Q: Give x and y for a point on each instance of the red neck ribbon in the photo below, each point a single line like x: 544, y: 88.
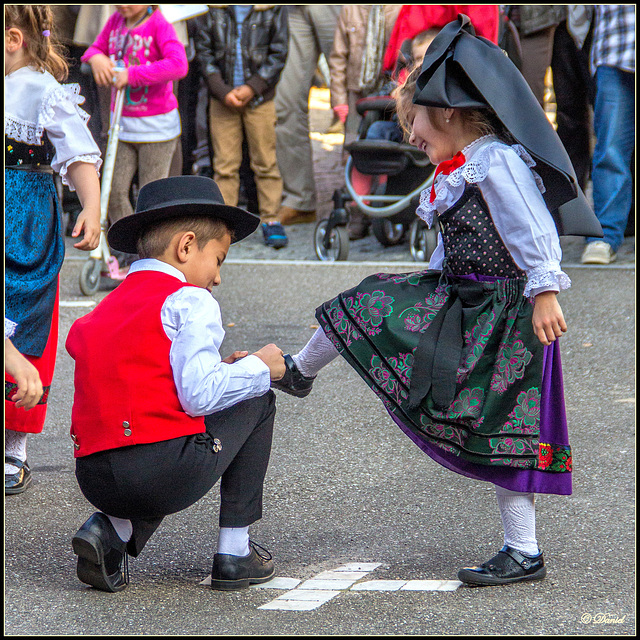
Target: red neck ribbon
x: 446, y: 168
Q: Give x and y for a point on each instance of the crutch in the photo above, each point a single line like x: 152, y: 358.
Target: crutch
x: 100, y: 261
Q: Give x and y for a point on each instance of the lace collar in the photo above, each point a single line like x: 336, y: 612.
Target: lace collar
x: 30, y: 98
x: 474, y: 170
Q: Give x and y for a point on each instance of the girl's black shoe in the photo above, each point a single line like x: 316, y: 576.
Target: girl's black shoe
x: 507, y: 567
x: 293, y: 382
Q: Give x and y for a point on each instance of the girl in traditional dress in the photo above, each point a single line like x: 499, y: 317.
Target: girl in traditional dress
x: 465, y: 355
x: 45, y: 131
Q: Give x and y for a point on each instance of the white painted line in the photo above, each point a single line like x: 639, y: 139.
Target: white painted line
x: 359, y: 566
x: 431, y: 585
x: 379, y: 585
x: 326, y: 584
x: 340, y: 575
x: 320, y: 596
x: 77, y: 303
x: 276, y: 583
x: 291, y: 605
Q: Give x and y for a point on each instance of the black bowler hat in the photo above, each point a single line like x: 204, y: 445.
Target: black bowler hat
x: 461, y: 69
x: 174, y: 198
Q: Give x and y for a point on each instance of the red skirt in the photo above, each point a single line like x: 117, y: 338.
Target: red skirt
x: 32, y: 421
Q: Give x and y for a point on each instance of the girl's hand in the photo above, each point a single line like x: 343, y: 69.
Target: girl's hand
x: 121, y: 79
x: 236, y: 355
x: 26, y: 376
x: 102, y: 68
x: 89, y: 221
x: 548, y: 320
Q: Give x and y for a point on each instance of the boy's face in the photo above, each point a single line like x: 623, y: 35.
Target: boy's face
x: 203, y: 266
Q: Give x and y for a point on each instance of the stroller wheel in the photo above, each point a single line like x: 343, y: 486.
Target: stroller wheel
x: 422, y: 240
x: 338, y: 248
x: 90, y: 276
x: 388, y: 233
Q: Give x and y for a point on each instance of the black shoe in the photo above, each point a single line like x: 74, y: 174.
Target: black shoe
x: 102, y: 556
x: 293, y: 382
x: 230, y: 573
x: 16, y: 482
x: 507, y: 567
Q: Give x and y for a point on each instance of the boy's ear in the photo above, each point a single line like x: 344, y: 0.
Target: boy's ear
x: 185, y: 245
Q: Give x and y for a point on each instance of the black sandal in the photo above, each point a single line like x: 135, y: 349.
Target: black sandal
x: 507, y: 567
x: 16, y: 482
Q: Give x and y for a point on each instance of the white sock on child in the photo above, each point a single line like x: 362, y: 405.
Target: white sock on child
x: 123, y: 528
x: 518, y: 514
x: 317, y: 353
x: 234, y: 541
x: 15, y: 444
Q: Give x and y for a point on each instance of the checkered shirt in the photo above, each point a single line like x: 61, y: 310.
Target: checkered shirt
x: 614, y: 37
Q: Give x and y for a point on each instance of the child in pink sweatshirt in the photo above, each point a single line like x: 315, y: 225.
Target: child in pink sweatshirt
x: 138, y: 51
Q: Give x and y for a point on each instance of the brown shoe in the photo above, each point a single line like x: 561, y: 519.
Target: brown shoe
x: 289, y: 215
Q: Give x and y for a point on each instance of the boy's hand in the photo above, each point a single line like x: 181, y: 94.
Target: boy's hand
x: 548, y: 320
x: 236, y: 355
x: 244, y: 93
x: 102, y: 68
x: 272, y: 356
x: 88, y: 220
x: 232, y: 102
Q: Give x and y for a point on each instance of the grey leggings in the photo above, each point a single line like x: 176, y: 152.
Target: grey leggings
x: 152, y: 161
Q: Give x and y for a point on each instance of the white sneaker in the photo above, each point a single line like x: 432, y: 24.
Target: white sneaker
x: 598, y: 252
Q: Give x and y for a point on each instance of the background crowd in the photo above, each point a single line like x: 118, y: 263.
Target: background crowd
x: 259, y: 151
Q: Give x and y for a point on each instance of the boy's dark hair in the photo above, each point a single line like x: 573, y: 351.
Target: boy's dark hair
x: 154, y: 240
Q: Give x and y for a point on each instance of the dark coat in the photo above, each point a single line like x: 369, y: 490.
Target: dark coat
x: 265, y: 44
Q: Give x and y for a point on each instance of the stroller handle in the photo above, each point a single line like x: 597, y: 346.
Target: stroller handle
x: 396, y: 203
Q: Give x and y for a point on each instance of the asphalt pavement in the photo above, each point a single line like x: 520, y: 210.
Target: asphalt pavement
x: 347, y: 494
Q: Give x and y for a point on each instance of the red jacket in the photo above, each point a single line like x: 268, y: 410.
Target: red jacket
x: 415, y: 18
x: 124, y: 388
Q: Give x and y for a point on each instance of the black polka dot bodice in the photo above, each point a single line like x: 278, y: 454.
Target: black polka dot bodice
x: 472, y: 244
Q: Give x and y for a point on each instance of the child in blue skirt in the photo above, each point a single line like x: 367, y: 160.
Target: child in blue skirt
x: 465, y: 354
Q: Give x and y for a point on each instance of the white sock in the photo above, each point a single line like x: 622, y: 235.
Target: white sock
x: 15, y: 444
x: 518, y: 514
x: 317, y: 353
x: 123, y: 528
x: 234, y: 541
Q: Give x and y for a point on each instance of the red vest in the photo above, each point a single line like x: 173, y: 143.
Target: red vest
x: 124, y: 388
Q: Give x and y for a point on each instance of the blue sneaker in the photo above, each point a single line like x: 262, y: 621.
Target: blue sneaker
x: 274, y: 235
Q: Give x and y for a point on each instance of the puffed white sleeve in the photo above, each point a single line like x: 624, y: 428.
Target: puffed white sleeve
x: 192, y: 321
x: 523, y: 221
x: 66, y: 126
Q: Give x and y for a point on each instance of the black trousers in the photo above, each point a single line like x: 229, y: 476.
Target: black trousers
x: 144, y: 483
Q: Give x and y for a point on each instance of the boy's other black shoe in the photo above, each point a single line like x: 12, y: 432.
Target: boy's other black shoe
x: 230, y: 573
x: 293, y: 382
x: 102, y: 557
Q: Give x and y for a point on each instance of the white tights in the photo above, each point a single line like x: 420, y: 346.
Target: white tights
x: 317, y: 353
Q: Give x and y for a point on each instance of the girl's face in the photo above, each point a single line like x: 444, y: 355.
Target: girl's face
x: 132, y: 12
x: 438, y: 144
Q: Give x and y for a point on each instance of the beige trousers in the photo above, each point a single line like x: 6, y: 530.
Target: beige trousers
x: 227, y: 133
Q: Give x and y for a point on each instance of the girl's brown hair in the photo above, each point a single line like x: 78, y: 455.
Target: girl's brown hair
x: 42, y: 49
x: 482, y: 121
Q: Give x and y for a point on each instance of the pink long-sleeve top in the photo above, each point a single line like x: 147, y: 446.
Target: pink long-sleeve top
x: 154, y: 58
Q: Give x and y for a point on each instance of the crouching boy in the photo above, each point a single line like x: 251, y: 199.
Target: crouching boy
x: 158, y: 417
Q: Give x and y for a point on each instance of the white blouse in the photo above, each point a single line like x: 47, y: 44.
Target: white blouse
x: 34, y: 102
x: 192, y: 321
x: 513, y: 192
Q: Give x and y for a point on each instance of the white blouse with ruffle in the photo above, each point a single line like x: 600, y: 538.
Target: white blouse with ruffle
x: 513, y: 192
x: 36, y: 102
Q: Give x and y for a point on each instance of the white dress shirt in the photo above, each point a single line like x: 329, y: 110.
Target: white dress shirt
x: 513, y: 192
x: 192, y: 321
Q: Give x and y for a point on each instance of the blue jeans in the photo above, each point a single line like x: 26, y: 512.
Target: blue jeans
x: 614, y: 124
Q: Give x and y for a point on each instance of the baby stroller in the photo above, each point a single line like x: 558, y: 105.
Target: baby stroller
x: 391, y: 205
